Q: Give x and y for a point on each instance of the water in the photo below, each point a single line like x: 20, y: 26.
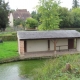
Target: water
x: 11, y: 71
x: 18, y: 70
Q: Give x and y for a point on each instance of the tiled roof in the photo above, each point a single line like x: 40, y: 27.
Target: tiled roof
x: 21, y: 14
x: 48, y: 34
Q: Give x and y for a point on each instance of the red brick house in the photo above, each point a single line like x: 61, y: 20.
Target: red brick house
x: 41, y: 41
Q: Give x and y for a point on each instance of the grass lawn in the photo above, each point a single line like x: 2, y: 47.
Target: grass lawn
x: 8, y: 50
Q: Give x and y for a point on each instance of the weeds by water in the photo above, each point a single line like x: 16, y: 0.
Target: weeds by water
x: 53, y: 69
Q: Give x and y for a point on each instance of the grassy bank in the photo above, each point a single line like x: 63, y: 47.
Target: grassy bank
x: 55, y: 69
x: 8, y: 50
x: 27, y: 67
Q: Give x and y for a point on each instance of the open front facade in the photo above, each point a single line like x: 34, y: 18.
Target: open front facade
x: 46, y: 41
x: 26, y: 46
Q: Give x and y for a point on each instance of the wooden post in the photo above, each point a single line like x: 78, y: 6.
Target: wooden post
x: 55, y: 47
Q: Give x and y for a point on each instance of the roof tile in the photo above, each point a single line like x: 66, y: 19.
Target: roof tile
x: 21, y: 13
x: 48, y: 34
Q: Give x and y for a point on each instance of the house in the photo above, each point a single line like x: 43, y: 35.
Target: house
x: 41, y: 41
x: 22, y: 14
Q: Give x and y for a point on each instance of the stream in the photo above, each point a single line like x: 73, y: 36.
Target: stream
x: 11, y: 71
x: 18, y: 70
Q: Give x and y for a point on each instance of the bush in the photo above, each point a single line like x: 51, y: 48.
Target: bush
x: 31, y: 23
x: 14, y: 33
x: 8, y: 38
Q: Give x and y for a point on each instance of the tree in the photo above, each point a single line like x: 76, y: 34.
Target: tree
x: 12, y: 10
x: 76, y: 15
x: 4, y: 12
x: 32, y: 23
x: 23, y: 24
x: 17, y: 22
x: 35, y: 15
x: 66, y: 16
x: 49, y: 14
x: 75, y: 4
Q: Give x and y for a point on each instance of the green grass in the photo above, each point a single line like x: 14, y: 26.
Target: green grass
x: 54, y: 69
x: 8, y: 50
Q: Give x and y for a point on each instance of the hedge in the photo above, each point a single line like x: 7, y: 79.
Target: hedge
x: 8, y: 38
x: 14, y: 33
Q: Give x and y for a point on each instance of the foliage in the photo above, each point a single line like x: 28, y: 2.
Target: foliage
x: 48, y: 9
x: 18, y: 22
x: 75, y: 4
x: 9, y: 38
x: 4, y: 12
x: 23, y: 23
x: 8, y: 50
x: 53, y: 69
x: 41, y: 27
x: 70, y: 18
x: 38, y: 17
x: 8, y: 33
x: 32, y: 23
x: 14, y: 33
x: 66, y: 16
x: 12, y: 10
x: 76, y: 15
x: 35, y: 15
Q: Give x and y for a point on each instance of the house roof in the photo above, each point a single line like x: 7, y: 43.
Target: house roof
x: 48, y: 34
x: 21, y: 14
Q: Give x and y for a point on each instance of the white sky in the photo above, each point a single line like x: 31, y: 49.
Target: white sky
x: 30, y: 4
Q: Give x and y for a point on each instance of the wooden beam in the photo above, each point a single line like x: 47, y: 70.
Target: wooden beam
x: 55, y: 44
x: 55, y: 41
x: 48, y: 45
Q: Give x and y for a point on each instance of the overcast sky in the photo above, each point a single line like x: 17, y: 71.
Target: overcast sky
x: 30, y: 4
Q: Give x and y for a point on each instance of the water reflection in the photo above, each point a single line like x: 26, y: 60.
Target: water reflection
x: 19, y: 70
x: 10, y: 71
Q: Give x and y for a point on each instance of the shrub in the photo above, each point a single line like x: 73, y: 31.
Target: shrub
x: 14, y: 33
x: 32, y: 23
x: 8, y: 38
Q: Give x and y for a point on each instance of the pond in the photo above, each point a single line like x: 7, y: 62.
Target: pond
x: 19, y: 70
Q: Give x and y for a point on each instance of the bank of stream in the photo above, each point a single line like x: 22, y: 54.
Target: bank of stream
x: 21, y: 70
